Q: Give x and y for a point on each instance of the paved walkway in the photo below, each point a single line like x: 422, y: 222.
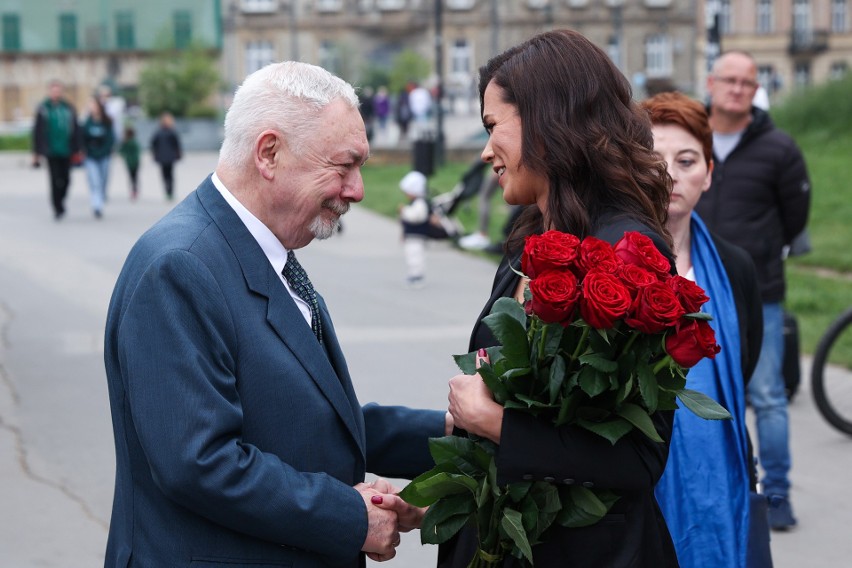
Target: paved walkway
x: 56, y: 452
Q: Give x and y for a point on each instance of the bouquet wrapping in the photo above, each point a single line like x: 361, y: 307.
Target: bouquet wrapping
x: 603, y: 341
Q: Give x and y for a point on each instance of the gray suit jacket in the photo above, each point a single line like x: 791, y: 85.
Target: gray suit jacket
x: 238, y: 436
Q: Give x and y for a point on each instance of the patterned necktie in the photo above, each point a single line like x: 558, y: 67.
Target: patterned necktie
x: 298, y: 280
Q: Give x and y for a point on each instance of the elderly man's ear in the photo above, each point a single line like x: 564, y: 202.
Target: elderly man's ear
x: 268, y: 153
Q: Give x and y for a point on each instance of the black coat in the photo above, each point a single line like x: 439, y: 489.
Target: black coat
x: 759, y: 199
x: 165, y: 146
x: 744, y: 287
x: 634, y: 533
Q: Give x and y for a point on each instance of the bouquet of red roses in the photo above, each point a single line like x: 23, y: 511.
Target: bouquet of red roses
x: 603, y: 340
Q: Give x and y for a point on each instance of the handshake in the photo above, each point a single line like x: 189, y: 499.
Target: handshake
x: 387, y: 516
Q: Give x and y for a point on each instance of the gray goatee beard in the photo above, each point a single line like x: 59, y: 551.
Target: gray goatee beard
x: 321, y: 228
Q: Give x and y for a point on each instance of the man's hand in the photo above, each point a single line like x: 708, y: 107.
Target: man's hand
x: 382, y: 525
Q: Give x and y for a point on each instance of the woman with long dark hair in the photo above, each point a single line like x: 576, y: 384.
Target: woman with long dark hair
x: 567, y: 140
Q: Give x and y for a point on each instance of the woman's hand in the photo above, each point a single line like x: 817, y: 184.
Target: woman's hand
x: 473, y: 407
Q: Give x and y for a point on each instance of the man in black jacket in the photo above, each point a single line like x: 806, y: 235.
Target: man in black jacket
x: 56, y: 136
x: 759, y: 200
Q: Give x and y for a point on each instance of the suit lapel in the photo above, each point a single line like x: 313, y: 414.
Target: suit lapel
x: 284, y: 316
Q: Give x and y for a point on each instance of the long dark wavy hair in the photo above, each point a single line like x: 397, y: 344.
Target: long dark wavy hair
x: 581, y: 128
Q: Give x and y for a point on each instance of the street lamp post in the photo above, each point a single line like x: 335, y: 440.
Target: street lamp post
x: 439, y: 69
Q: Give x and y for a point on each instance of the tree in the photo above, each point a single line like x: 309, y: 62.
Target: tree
x: 408, y: 66
x: 179, y: 82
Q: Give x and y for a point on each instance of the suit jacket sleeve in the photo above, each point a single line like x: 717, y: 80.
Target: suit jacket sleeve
x: 177, y: 349
x: 397, y: 439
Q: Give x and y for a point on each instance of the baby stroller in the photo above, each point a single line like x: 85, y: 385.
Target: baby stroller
x: 445, y: 204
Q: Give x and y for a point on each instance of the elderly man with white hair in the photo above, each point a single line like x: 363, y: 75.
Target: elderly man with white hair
x: 239, y: 438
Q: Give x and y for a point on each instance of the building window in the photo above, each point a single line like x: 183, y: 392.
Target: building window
x: 839, y: 18
x: 259, y: 6
x: 538, y: 4
x: 328, y: 5
x: 183, y: 29
x: 802, y: 17
x: 259, y: 54
x: 838, y: 70
x: 460, y: 4
x: 765, y: 20
x: 390, y: 4
x: 329, y: 57
x: 802, y: 74
x: 67, y: 31
x: 124, y: 35
x: 658, y: 56
x: 461, y: 59
x: 725, y: 17
x: 11, y: 32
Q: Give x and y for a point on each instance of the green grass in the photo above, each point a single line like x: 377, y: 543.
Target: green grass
x: 14, y: 142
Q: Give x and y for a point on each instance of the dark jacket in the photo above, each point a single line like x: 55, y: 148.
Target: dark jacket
x: 41, y: 131
x: 744, y: 287
x: 759, y: 199
x: 98, y: 138
x: 238, y: 436
x: 165, y: 146
x: 634, y: 533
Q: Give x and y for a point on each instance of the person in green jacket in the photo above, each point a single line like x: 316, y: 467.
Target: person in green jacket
x: 129, y: 150
x: 56, y: 137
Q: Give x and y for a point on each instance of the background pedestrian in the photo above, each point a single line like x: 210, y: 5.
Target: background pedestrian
x: 56, y: 137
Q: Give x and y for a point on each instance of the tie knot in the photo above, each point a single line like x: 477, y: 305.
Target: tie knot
x: 301, y: 285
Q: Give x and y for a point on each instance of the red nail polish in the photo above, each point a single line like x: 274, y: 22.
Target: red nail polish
x: 482, y: 352
x: 376, y: 499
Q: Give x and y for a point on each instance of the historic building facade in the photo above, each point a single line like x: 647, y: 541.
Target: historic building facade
x: 87, y: 43
x: 656, y: 43
x: 796, y: 43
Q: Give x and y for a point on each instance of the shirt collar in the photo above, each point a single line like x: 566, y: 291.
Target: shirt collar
x: 269, y: 243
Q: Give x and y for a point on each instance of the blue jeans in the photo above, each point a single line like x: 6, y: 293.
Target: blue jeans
x: 97, y: 171
x: 769, y: 401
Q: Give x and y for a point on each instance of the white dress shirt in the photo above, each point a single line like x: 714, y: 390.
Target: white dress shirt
x: 269, y: 243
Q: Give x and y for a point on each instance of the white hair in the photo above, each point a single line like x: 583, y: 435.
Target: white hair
x: 287, y: 97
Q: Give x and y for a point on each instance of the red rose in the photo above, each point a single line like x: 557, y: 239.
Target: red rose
x: 654, y: 309
x: 636, y: 248
x: 692, y: 342
x: 690, y: 294
x: 597, y: 254
x: 605, y: 300
x: 635, y: 277
x: 554, y: 296
x: 549, y: 251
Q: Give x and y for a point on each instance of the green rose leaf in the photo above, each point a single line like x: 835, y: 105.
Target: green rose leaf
x: 648, y: 387
x: 612, y: 430
x: 639, y: 418
x: 445, y: 518
x: 599, y: 363
x: 514, y: 528
x: 580, y: 507
x: 463, y: 453
x: 556, y: 377
x: 702, y: 405
x: 592, y: 382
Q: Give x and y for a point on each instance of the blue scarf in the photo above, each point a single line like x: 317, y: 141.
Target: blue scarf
x: 704, y: 491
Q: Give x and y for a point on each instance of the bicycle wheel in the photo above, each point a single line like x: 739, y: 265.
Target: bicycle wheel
x: 831, y: 376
